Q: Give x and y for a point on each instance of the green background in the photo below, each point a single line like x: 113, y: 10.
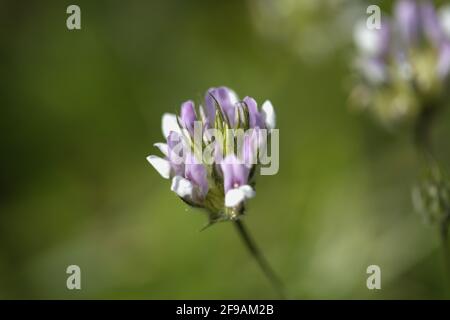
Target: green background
x: 80, y: 111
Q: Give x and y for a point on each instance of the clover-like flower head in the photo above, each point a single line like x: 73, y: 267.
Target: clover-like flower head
x: 404, y: 66
x: 211, y: 152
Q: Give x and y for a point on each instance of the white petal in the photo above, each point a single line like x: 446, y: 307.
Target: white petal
x: 237, y: 195
x: 444, y: 17
x: 233, y: 96
x: 161, y: 165
x: 169, y: 123
x: 248, y: 191
x: 163, y: 148
x: 268, y: 114
x: 367, y: 41
x: 182, y: 187
x: 374, y: 71
x: 234, y: 197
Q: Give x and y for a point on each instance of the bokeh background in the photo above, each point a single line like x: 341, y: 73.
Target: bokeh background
x: 80, y: 111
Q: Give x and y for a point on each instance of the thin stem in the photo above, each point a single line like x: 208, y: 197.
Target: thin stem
x: 424, y: 147
x: 422, y: 134
x: 443, y: 232
x: 256, y: 253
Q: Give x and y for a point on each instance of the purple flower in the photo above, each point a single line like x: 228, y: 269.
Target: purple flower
x: 407, y: 16
x: 193, y: 184
x: 221, y: 186
x: 225, y: 98
x: 175, y: 153
x: 196, y: 173
x: 418, y: 20
x: 406, y: 64
x: 189, y: 178
x: 443, y: 67
x: 255, y: 117
x: 188, y: 116
x: 235, y: 177
x: 430, y: 23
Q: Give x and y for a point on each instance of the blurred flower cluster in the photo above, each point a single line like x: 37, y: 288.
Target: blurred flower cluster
x: 211, y: 152
x: 403, y: 67
x: 305, y: 26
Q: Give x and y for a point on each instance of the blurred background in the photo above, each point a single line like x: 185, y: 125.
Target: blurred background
x: 80, y: 111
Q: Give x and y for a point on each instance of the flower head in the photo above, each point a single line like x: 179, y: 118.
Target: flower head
x: 211, y: 152
x: 404, y: 66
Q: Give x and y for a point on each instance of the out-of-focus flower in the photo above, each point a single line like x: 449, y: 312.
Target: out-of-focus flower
x: 304, y: 26
x: 404, y: 66
x: 211, y: 152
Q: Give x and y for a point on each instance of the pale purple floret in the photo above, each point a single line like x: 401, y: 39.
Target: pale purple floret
x: 434, y: 31
x: 188, y: 116
x: 432, y: 28
x: 255, y: 146
x: 235, y: 173
x: 196, y: 174
x: 418, y: 20
x: 385, y: 38
x: 255, y: 117
x: 175, y: 154
x: 235, y: 176
x: 444, y: 60
x: 189, y: 176
x: 407, y: 17
x: 226, y: 100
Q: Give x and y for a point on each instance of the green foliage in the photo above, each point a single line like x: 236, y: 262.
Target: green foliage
x: 81, y: 109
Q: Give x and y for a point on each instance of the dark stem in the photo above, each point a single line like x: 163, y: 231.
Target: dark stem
x: 251, y: 246
x: 424, y: 146
x: 443, y: 232
x: 422, y: 134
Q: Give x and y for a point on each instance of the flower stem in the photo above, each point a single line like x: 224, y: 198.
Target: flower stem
x: 443, y: 232
x: 257, y: 255
x: 424, y: 148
